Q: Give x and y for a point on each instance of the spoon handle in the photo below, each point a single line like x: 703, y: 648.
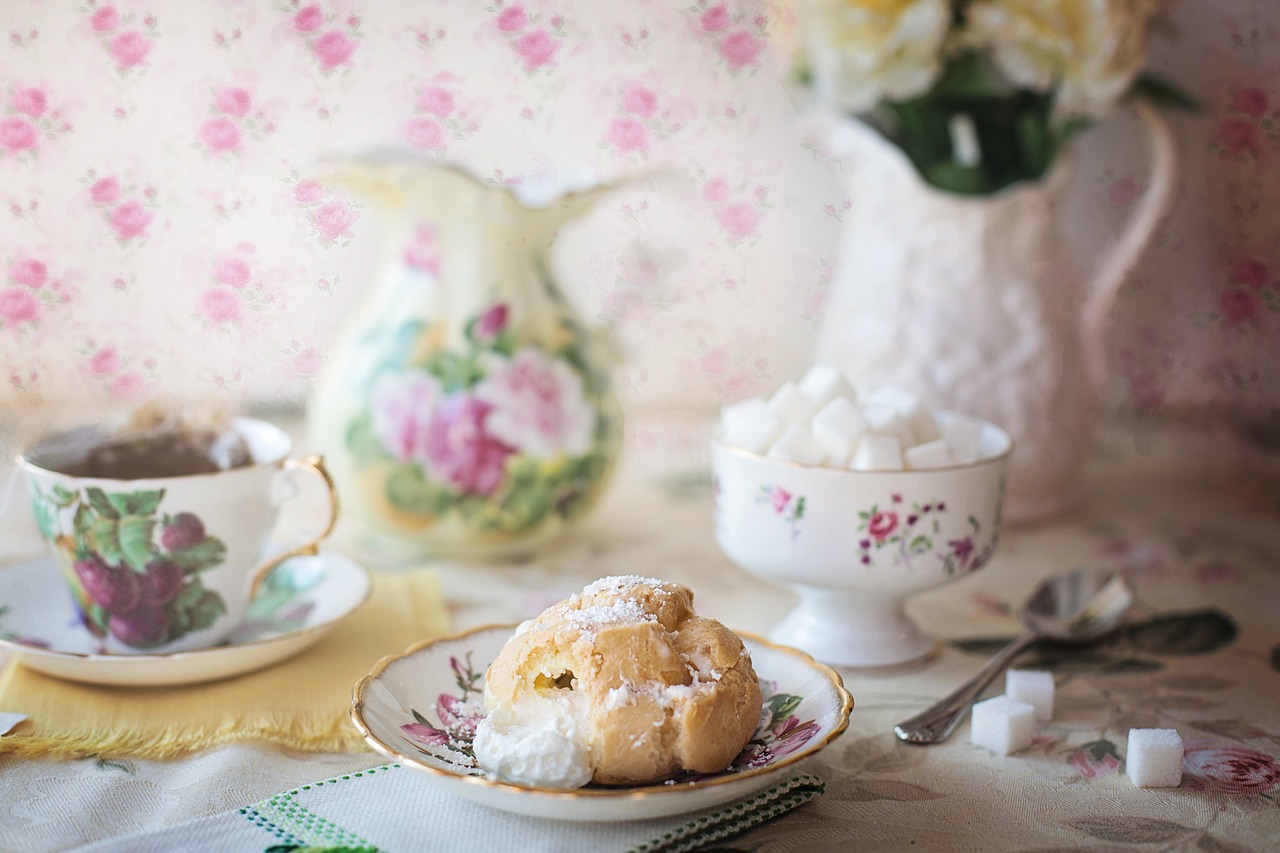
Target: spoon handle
x: 936, y: 723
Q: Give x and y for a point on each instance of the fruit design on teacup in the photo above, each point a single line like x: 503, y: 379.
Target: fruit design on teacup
x: 134, y: 571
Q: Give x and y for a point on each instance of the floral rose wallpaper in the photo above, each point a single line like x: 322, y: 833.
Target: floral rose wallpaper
x: 163, y: 231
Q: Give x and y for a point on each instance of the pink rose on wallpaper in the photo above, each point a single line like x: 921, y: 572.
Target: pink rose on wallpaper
x: 539, y: 406
x: 233, y: 101
x: 1239, y: 307
x: 29, y: 271
x: 512, y: 19
x: 129, y: 386
x: 420, y: 251
x: 232, y: 271
x: 715, y: 19
x: 716, y: 190
x: 739, y: 220
x: 218, y: 306
x: 425, y: 133
x: 536, y: 49
x: 105, y: 361
x: 639, y: 100
x: 1239, y: 136
x: 221, y: 134
x: 308, y: 192
x: 31, y: 101
x: 1250, y: 272
x: 105, y: 20
x: 17, y: 134
x: 461, y: 451
x: 627, y: 135
x: 308, y: 19
x: 333, y: 49
x: 740, y: 49
x: 18, y: 305
x: 307, y: 362
x: 105, y: 190
x: 437, y: 101
x: 334, y: 219
x: 130, y: 49
x: 130, y: 219
x: 1251, y: 101
x: 400, y: 409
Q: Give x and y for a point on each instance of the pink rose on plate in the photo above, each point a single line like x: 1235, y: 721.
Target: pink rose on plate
x: 130, y: 219
x: 29, y: 271
x: 130, y: 49
x: 536, y: 49
x: 308, y: 19
x: 31, y: 101
x: 333, y: 49
x: 436, y: 100
x: 740, y: 220
x: 18, y: 305
x: 221, y: 134
x: 461, y: 450
x: 218, y: 306
x: 105, y: 20
x: 232, y: 271
x: 233, y: 101
x: 400, y: 411
x: 512, y: 19
x: 715, y: 19
x: 639, y: 100
x: 308, y: 192
x: 627, y: 135
x: 334, y: 219
x: 105, y: 361
x: 17, y: 134
x: 425, y: 133
x: 105, y: 190
x: 1250, y: 272
x: 420, y: 251
x: 740, y: 49
x: 307, y: 362
x: 539, y: 406
x: 1230, y: 769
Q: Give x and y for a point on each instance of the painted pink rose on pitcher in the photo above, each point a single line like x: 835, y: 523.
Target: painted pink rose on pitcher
x: 308, y: 19
x: 539, y: 407
x: 425, y: 133
x: 333, y: 49
x: 131, y: 219
x: 536, y: 49
x: 627, y: 135
x: 308, y: 192
x: 307, y: 362
x: 333, y: 220
x: 233, y: 101
x: 740, y: 220
x: 437, y: 101
x: 639, y: 100
x: 715, y: 19
x: 29, y: 271
x: 130, y: 49
x: 18, y: 305
x: 105, y: 19
x: 220, y: 134
x: 31, y: 101
x: 740, y: 49
x: 219, y: 306
x: 17, y: 134
x: 401, y: 405
x: 105, y: 190
x: 461, y: 448
x: 512, y: 19
x: 232, y: 271
x: 105, y: 361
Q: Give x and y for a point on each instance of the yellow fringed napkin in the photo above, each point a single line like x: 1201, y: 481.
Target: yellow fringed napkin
x: 301, y: 703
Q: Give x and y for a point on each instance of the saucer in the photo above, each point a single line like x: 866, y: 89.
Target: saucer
x: 300, y: 602
x: 397, y: 708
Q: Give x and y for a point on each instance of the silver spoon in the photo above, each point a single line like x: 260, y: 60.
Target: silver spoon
x: 1077, y: 607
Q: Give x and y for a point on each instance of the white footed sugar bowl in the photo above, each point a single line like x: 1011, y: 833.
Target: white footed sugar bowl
x: 854, y: 542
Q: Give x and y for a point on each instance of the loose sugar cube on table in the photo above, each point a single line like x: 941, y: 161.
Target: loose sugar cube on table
x: 933, y: 454
x: 797, y: 444
x: 837, y: 427
x: 1032, y: 686
x: 877, y: 453
x: 1003, y: 725
x: 823, y: 383
x: 1153, y: 758
x: 791, y: 405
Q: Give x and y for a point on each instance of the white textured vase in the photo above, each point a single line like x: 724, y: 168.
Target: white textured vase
x: 973, y: 303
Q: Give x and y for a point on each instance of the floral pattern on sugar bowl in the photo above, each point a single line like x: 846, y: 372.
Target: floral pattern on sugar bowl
x: 911, y: 534
x: 788, y: 507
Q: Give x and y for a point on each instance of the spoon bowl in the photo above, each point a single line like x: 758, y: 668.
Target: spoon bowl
x: 1079, y: 607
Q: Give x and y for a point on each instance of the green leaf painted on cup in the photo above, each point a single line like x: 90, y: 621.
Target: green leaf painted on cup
x: 135, y: 532
x: 104, y: 538
x: 136, y: 503
x: 101, y: 504
x: 205, y: 554
x: 206, y: 611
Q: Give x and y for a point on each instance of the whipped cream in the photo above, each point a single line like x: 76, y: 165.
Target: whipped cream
x: 545, y: 743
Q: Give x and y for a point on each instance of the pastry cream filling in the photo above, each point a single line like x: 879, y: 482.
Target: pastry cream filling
x: 545, y: 743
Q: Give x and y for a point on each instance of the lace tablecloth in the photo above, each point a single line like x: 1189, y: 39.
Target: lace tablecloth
x: 1197, y: 535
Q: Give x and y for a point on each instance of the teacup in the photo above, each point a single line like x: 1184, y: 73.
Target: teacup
x: 167, y: 563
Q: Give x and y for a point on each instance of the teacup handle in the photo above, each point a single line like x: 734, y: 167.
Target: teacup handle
x: 1110, y: 275
x: 315, y: 465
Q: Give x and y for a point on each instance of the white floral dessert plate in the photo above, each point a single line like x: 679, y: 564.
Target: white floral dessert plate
x: 299, y: 603
x: 421, y: 707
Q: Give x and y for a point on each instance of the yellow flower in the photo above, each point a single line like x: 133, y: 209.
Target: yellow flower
x: 1090, y: 50
x: 859, y: 52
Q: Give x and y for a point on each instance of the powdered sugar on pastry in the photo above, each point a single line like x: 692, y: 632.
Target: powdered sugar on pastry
x: 621, y: 683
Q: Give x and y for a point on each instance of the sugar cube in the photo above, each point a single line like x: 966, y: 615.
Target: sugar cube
x: 963, y: 436
x: 797, y: 444
x: 823, y: 383
x: 933, y: 454
x: 837, y: 427
x: 1033, y: 686
x: 886, y: 420
x: 791, y: 405
x: 754, y: 434
x: 877, y: 453
x: 1002, y: 724
x: 1153, y: 758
